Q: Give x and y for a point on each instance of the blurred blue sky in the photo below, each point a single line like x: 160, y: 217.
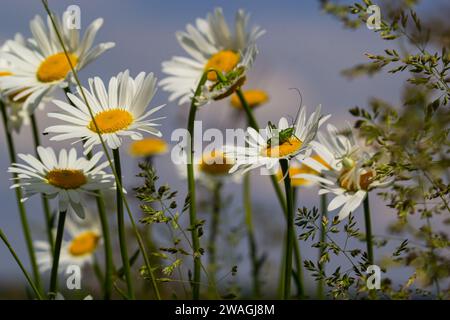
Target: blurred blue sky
x: 302, y: 48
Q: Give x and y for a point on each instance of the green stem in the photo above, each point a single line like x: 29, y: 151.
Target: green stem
x: 298, y: 272
x: 191, y: 188
x: 214, y: 232
x: 289, y: 229
x: 98, y: 272
x: 109, y: 266
x: 121, y: 226
x: 251, y: 237
x: 250, y: 118
x: 24, y: 271
x: 54, y: 273
x: 368, y: 229
x: 20, y: 204
x: 323, y: 209
x: 44, y: 199
x: 280, y: 288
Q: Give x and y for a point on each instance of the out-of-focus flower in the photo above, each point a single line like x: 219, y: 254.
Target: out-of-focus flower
x: 254, y: 98
x: 298, y: 167
x: 85, y: 238
x: 147, y: 147
x: 210, y: 168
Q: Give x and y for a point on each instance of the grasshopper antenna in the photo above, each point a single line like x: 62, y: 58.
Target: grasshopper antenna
x: 301, y: 101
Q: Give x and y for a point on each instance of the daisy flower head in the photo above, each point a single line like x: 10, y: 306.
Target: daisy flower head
x: 41, y: 65
x: 265, y: 149
x: 210, y: 168
x: 119, y: 111
x: 79, y: 249
x: 211, y: 44
x: 254, y: 98
x: 65, y: 177
x: 148, y: 147
x: 346, y: 170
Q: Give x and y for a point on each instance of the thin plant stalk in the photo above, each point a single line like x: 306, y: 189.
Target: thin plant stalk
x: 368, y: 230
x: 20, y: 204
x: 20, y: 264
x: 56, y: 255
x: 252, y: 122
x: 109, y: 266
x: 191, y: 188
x: 251, y: 237
x: 289, y: 229
x: 215, y: 222
x: 281, y: 267
x: 298, y: 272
x: 44, y: 199
x: 105, y: 149
x: 98, y: 272
x: 121, y: 226
x: 323, y: 210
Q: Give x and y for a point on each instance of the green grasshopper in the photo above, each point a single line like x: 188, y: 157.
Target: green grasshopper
x: 285, y: 134
x: 281, y: 136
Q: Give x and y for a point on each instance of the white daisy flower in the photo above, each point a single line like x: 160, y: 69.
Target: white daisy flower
x: 67, y: 177
x: 85, y: 239
x: 344, y: 173
x: 211, y: 45
x: 119, y: 111
x: 210, y: 168
x: 265, y: 149
x: 41, y: 65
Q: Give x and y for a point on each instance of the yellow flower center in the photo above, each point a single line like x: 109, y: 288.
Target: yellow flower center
x: 148, y: 147
x: 215, y: 163
x: 66, y: 178
x: 224, y: 61
x: 254, y: 98
x: 5, y: 73
x: 110, y: 121
x: 55, y: 67
x: 286, y: 148
x: 84, y: 243
x: 349, y: 180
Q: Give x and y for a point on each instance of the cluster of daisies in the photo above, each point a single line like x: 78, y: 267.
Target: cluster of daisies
x: 30, y: 72
x: 105, y: 113
x: 335, y: 160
